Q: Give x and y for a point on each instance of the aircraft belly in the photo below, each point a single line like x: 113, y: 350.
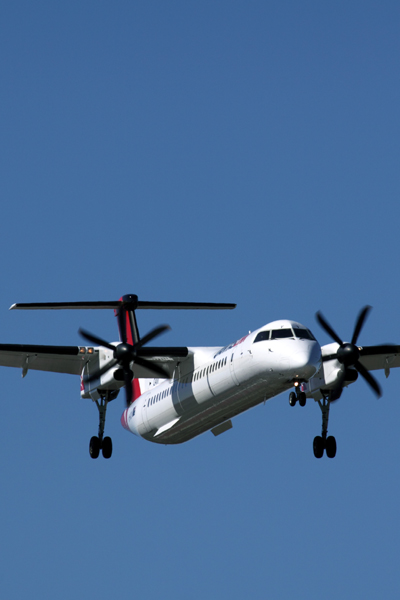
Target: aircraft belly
x: 197, y: 406
x: 224, y: 407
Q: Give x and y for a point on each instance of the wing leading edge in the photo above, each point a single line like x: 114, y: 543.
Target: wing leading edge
x: 72, y: 359
x: 59, y: 359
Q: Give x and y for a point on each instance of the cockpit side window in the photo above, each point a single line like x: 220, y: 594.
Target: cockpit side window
x: 262, y: 336
x: 278, y: 334
x: 304, y: 334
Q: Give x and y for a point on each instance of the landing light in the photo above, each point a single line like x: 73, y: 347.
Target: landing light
x: 83, y: 350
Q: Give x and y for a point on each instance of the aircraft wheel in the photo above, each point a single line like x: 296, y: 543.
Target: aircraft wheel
x: 94, y: 447
x: 302, y: 398
x: 331, y: 447
x: 318, y: 446
x: 106, y: 447
x: 292, y: 399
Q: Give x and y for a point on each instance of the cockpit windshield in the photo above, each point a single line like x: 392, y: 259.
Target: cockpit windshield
x: 278, y: 334
x: 303, y: 334
x: 275, y: 334
x: 262, y: 336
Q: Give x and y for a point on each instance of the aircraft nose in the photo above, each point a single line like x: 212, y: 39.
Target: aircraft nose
x: 307, y: 361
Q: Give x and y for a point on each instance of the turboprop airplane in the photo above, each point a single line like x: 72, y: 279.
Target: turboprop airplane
x: 174, y: 394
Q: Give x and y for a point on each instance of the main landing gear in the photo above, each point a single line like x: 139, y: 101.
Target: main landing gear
x: 99, y: 442
x: 322, y: 442
x: 297, y: 395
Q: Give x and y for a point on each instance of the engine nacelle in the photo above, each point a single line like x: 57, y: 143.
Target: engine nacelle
x: 107, y: 381
x: 333, y: 373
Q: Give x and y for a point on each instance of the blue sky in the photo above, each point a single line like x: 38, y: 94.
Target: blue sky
x: 234, y: 151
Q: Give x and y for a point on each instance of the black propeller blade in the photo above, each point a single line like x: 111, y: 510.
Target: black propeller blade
x: 100, y: 372
x: 349, y: 353
x: 124, y: 354
x: 94, y: 339
x: 325, y: 325
x: 360, y: 323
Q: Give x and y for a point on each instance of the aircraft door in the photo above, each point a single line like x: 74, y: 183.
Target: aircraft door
x: 233, y: 357
x: 145, y: 417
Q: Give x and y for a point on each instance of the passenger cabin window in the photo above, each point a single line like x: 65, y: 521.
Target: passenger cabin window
x: 278, y: 334
x: 262, y: 336
x: 303, y: 333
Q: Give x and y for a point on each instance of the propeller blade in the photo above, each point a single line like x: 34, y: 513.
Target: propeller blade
x: 152, y: 367
x: 369, y: 378
x: 125, y: 354
x: 329, y: 357
x: 325, y: 325
x: 128, y: 386
x: 100, y: 372
x: 95, y: 340
x: 379, y: 350
x: 151, y: 335
x: 360, y: 323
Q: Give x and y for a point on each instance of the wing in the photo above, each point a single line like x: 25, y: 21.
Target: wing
x: 59, y: 359
x: 380, y: 357
x: 72, y: 359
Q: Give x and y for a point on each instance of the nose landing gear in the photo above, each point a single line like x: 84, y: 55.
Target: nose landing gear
x: 99, y: 442
x: 322, y: 442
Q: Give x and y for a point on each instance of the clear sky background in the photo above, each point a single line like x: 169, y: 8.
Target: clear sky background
x: 216, y: 151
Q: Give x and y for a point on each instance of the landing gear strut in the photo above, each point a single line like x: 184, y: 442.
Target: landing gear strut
x: 322, y: 442
x: 99, y: 442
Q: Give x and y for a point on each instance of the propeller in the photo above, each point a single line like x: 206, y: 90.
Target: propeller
x: 124, y: 354
x: 348, y: 353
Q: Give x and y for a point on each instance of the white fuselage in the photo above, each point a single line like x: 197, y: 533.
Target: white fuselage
x: 213, y: 385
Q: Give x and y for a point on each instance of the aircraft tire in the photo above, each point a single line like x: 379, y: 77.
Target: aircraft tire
x: 94, y: 446
x: 331, y: 447
x: 292, y: 399
x: 302, y: 398
x: 318, y: 446
x: 106, y: 447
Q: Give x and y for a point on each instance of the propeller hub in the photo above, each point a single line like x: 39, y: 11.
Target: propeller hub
x: 123, y: 353
x: 348, y: 354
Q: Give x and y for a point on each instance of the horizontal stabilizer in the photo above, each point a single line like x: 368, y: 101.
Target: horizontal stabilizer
x: 130, y: 302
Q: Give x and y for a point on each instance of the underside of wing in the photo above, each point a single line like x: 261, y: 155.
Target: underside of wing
x: 380, y: 357
x: 59, y: 359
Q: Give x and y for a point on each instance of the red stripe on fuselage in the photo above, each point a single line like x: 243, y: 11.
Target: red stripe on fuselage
x: 124, y: 420
x: 129, y: 339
